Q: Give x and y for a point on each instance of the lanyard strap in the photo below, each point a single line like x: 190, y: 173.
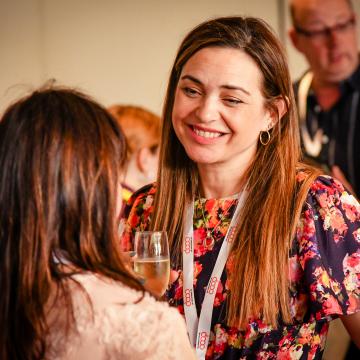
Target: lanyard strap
x: 312, y: 146
x: 199, y: 328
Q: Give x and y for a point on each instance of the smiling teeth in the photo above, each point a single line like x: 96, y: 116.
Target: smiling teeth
x: 207, y: 134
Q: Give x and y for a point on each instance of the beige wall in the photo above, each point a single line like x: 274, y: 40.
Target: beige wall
x: 116, y: 50
x: 21, y: 54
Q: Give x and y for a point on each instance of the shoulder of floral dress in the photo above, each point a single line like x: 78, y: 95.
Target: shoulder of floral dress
x: 326, y: 185
x: 139, y: 196
x: 327, y: 194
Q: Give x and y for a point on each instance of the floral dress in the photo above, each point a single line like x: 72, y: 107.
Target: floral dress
x: 324, y: 272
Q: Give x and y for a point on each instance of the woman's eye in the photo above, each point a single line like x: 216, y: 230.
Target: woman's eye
x: 190, y: 91
x: 232, y: 101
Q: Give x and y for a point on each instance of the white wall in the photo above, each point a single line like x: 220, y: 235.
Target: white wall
x: 116, y: 50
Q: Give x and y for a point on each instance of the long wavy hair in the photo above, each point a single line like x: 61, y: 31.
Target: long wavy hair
x: 259, y: 284
x: 61, y: 157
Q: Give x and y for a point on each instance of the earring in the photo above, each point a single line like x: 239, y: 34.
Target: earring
x: 267, y: 135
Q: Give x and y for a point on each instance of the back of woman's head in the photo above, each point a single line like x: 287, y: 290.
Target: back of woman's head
x: 61, y: 155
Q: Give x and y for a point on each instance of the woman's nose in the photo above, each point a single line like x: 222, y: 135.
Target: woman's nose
x: 208, y: 110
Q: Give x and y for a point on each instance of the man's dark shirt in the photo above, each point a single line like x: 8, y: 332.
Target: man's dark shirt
x: 341, y: 127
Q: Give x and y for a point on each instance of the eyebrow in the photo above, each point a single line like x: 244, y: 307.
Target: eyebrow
x: 230, y: 87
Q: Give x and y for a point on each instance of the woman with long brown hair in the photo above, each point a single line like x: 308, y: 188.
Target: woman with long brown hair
x: 65, y: 292
x: 266, y: 249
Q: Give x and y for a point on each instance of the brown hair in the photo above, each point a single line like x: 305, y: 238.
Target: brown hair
x: 261, y: 247
x: 61, y: 156
x: 140, y: 126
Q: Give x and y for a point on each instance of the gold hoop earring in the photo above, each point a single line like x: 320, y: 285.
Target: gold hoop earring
x: 268, y: 137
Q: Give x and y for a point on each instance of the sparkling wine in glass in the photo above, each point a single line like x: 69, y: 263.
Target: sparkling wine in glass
x: 152, y: 260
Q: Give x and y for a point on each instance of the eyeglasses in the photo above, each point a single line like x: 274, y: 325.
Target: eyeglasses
x: 326, y: 31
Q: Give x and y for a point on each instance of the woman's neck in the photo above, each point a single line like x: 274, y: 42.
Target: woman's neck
x: 215, y: 183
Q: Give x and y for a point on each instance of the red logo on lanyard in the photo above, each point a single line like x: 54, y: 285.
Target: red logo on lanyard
x: 188, y: 297
x: 231, y: 235
x: 202, y: 340
x: 212, y: 285
x: 187, y: 245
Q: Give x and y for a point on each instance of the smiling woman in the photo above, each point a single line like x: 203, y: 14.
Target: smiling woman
x: 219, y: 109
x: 266, y: 249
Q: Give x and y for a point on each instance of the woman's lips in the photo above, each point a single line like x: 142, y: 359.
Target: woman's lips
x: 205, y: 136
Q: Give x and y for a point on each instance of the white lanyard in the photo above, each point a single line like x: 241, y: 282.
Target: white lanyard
x: 199, y: 329
x: 312, y: 147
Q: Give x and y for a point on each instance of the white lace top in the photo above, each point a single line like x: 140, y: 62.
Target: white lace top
x: 116, y: 327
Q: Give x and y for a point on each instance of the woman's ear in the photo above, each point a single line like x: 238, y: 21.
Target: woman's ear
x: 278, y: 109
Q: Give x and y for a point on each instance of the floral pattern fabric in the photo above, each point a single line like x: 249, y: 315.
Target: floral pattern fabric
x: 324, y: 272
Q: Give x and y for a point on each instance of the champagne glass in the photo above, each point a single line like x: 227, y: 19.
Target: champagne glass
x: 152, y: 260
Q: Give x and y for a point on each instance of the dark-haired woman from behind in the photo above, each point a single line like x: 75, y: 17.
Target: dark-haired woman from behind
x: 65, y: 292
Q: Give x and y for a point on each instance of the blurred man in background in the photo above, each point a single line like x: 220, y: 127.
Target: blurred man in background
x: 324, y: 31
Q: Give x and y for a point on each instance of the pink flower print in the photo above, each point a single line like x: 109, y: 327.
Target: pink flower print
x: 318, y: 187
x: 220, y: 296
x: 234, y: 339
x: 352, y: 263
x: 351, y: 267
x: 295, y: 269
x: 354, y: 302
x: 220, y: 341
x: 290, y: 353
x: 148, y: 203
x: 286, y: 340
x: 338, y: 185
x: 325, y: 200
x: 250, y: 334
x: 306, y: 227
x: 308, y: 255
x: 356, y: 235
x: 306, y: 334
x: 263, y: 327
x: 134, y: 220
x: 199, y: 237
x: 266, y: 355
x: 350, y: 206
x: 125, y: 241
x: 331, y: 306
x: 333, y: 219
x: 178, y: 292
x: 299, y: 306
x: 210, y: 205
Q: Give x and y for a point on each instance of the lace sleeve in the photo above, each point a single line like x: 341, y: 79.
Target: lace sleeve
x: 147, y: 330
